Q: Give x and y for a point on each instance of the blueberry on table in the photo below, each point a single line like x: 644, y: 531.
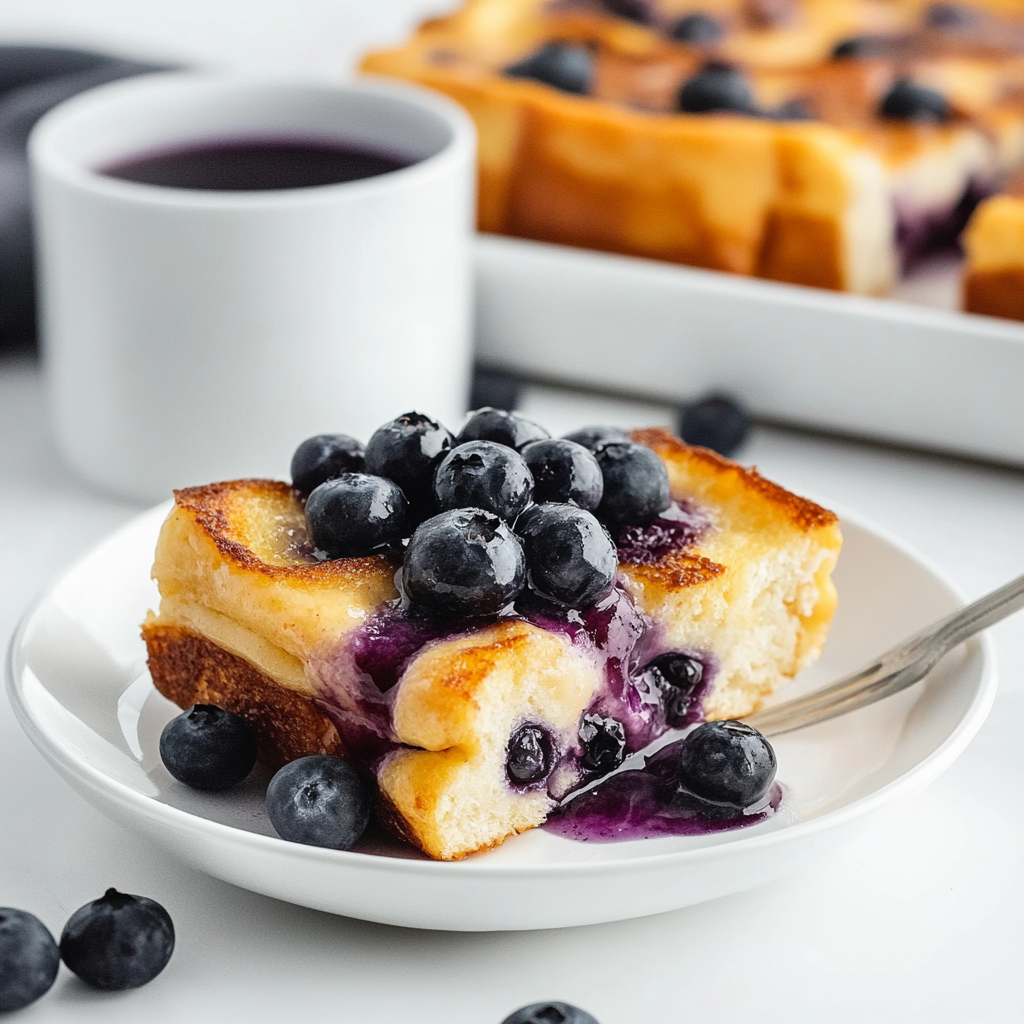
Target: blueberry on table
x: 565, y: 66
x: 564, y: 471
x: 550, y: 1013
x: 636, y: 485
x: 677, y: 676
x: 593, y: 437
x: 604, y: 744
x: 529, y: 756
x: 29, y: 958
x: 570, y: 559
x: 484, y: 474
x: 407, y: 450
x: 319, y: 800
x: 324, y: 457
x: 906, y: 101
x: 502, y: 426
x: 698, y: 28
x: 118, y: 941
x: 726, y: 763
x: 716, y: 422
x: 207, y: 747
x: 357, y: 514
x: 717, y: 88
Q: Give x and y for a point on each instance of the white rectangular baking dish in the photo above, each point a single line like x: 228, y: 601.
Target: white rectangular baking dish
x: 876, y: 368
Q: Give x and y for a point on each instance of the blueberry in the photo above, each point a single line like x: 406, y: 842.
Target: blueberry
x: 319, y: 800
x: 118, y: 941
x: 640, y: 11
x: 564, y: 66
x: 324, y: 457
x: 793, y: 110
x: 484, y: 474
x: 499, y: 425
x: 698, y: 28
x: 564, y: 471
x: 593, y: 437
x: 864, y: 47
x: 29, y: 959
x: 906, y: 101
x: 208, y: 748
x: 726, y: 763
x: 529, y: 756
x: 356, y: 514
x: 407, y: 450
x: 950, y: 17
x: 604, y: 744
x: 550, y: 1013
x: 494, y: 387
x: 635, y: 484
x: 464, y: 562
x: 570, y: 559
x: 716, y: 422
x: 716, y: 87
x: 677, y: 676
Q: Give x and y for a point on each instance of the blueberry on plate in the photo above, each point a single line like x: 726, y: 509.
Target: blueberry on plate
x: 407, y: 450
x: 357, y: 514
x: 717, y: 87
x: 319, y: 800
x: 499, y: 425
x: 529, y: 757
x: 564, y: 471
x: 464, y: 562
x: 677, y: 676
x: 550, y: 1013
x: 593, y: 437
x: 207, y: 747
x: 29, y: 958
x: 604, y: 744
x: 635, y: 484
x: 324, y: 457
x: 716, y: 422
x: 906, y: 101
x: 698, y: 28
x: 726, y: 763
x: 118, y: 941
x: 565, y: 66
x: 484, y: 474
x: 570, y: 559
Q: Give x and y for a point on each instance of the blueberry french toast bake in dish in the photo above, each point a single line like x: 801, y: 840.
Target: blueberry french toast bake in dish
x: 483, y: 624
x: 819, y: 142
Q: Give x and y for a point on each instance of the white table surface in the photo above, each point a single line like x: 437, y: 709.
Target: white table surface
x: 917, y: 919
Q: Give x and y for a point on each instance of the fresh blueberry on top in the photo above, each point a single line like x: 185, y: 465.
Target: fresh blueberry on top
x: 570, y: 559
x: 207, y: 747
x: 565, y: 66
x: 717, y: 422
x: 864, y: 47
x: 950, y: 17
x: 906, y: 101
x: 564, y: 471
x: 118, y: 941
x: 407, y: 450
x: 726, y: 763
x: 677, y: 676
x: 324, y: 457
x: 529, y: 756
x: 550, y: 1013
x: 699, y: 28
x: 319, y: 800
x: 635, y: 484
x: 464, y: 562
x: 356, y: 514
x: 640, y: 11
x: 499, y: 425
x: 29, y: 958
x: 717, y: 87
x: 484, y: 474
x: 604, y: 744
x: 593, y: 437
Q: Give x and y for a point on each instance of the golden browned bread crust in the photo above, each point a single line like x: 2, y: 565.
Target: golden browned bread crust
x: 996, y: 292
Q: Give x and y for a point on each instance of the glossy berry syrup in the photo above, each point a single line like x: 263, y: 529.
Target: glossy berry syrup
x: 254, y: 166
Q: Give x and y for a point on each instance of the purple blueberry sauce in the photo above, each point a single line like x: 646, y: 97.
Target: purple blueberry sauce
x: 676, y: 529
x: 921, y: 233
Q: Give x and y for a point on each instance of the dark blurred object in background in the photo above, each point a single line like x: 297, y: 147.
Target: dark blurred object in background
x: 717, y: 422
x: 495, y: 388
x: 32, y: 80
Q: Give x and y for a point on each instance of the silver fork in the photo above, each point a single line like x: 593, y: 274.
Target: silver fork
x: 895, y: 670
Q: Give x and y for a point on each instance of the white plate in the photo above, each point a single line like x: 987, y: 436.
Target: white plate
x: 77, y: 680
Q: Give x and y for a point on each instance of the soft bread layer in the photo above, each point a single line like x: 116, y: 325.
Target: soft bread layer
x: 459, y: 702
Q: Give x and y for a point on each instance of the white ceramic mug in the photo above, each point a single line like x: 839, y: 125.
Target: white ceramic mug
x: 192, y: 336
